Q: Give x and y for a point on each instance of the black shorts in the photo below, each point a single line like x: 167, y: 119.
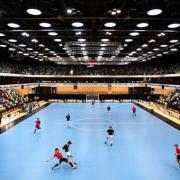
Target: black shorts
x: 63, y: 160
x: 38, y: 127
x: 178, y: 157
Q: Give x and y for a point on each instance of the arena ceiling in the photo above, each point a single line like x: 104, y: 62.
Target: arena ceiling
x: 90, y: 31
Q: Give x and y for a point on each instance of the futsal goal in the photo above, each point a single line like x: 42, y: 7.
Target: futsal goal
x: 92, y: 97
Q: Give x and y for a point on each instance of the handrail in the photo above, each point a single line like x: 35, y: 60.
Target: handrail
x: 152, y: 85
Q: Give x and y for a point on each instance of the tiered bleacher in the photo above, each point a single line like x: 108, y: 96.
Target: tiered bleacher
x: 171, y: 101
x: 10, y: 99
x: 54, y: 69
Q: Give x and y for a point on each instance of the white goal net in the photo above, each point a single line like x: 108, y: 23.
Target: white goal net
x: 92, y: 97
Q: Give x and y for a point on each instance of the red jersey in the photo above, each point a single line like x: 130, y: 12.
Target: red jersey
x: 134, y: 109
x: 58, y: 155
x: 38, y: 122
x: 177, y: 151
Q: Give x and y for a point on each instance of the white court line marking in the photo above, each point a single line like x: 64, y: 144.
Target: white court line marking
x: 138, y: 123
x: 117, y: 123
x: 113, y: 123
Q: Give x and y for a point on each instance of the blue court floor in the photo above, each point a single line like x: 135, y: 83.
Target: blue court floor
x: 143, y: 146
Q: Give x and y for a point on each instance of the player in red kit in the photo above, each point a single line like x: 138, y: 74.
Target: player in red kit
x: 177, y: 153
x: 38, y: 125
x: 59, y: 156
x: 134, y: 110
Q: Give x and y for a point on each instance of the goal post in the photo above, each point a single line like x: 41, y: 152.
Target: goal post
x: 92, y: 97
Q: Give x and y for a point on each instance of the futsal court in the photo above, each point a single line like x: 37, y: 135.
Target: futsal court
x: 142, y: 150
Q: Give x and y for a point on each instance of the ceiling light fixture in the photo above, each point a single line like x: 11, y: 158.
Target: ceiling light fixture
x: 78, y: 33
x: 34, y: 12
x: 53, y: 33
x: 154, y: 12
x: 57, y: 40
x: 26, y: 54
x: 118, y: 11
x: 110, y: 24
x: 45, y: 24
x: 108, y: 33
x: 142, y: 25
x: 139, y: 49
x: 41, y: 45
x: 156, y: 49
x: 69, y: 11
x: 103, y: 45
x: 174, y: 49
x: 166, y: 52
x: 104, y: 40
x: 150, y: 52
x: 173, y: 41
x: 161, y: 34
x: 128, y: 40
x: 113, y: 13
x: 102, y: 49
x: 22, y: 45
x: 144, y: 45
x: 25, y: 34
x: 13, y: 25
x: 77, y: 24
x: 29, y: 49
x: 34, y: 40
x: 52, y: 52
x: 152, y: 41
x: 82, y: 45
x: 174, y: 25
x: 3, y: 45
x: 12, y: 40
x: 134, y: 34
x: 2, y: 34
x: 81, y: 40
x: 12, y: 49
x: 164, y: 45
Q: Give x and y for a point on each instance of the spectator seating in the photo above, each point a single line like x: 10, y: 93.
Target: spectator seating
x: 10, y: 99
x: 171, y: 101
x: 53, y: 69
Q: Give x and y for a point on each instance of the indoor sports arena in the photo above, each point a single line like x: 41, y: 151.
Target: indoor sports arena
x: 89, y: 89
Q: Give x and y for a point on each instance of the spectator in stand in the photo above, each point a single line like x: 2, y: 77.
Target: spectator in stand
x: 30, y: 107
x: 52, y: 69
x: 171, y: 101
